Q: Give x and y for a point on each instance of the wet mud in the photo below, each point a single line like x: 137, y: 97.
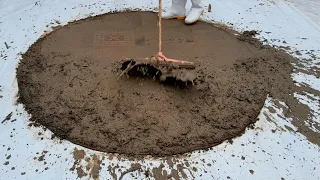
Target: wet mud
x: 68, y: 83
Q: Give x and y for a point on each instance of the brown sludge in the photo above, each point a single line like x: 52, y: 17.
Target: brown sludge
x: 68, y: 83
x: 164, y: 72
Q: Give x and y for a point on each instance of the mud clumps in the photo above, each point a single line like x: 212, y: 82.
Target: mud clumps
x: 68, y: 84
x: 165, y: 73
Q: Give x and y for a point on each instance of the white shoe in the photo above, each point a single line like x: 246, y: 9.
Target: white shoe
x: 176, y: 11
x: 195, y: 12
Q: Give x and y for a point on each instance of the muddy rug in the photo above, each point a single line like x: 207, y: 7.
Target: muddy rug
x: 68, y: 83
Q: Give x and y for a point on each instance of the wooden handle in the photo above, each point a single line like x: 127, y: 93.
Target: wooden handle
x: 160, y: 28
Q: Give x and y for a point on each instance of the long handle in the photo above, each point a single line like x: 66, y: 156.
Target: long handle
x: 160, y: 28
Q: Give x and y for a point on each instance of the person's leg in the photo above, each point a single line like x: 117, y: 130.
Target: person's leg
x: 195, y: 12
x: 176, y: 11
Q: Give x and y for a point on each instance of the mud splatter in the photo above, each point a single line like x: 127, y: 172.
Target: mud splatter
x: 80, y: 172
x: 169, y: 161
x: 181, y: 170
x: 134, y: 167
x: 7, y: 118
x: 112, y: 171
x: 8, y: 157
x: 41, y: 158
x: 93, y: 164
x: 78, y: 154
x: 94, y: 167
x: 157, y: 172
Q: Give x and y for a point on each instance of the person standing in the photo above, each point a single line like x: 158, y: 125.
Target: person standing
x: 178, y: 11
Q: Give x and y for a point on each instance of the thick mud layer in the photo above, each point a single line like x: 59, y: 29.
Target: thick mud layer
x: 68, y: 83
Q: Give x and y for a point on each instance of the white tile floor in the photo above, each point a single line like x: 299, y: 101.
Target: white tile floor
x: 268, y: 155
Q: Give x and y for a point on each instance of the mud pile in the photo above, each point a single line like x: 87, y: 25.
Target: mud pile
x: 68, y: 83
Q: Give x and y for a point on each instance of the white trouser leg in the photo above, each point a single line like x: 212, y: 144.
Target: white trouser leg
x: 195, y: 12
x: 177, y: 10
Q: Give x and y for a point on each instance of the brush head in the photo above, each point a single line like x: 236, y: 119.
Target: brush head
x: 170, y: 73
